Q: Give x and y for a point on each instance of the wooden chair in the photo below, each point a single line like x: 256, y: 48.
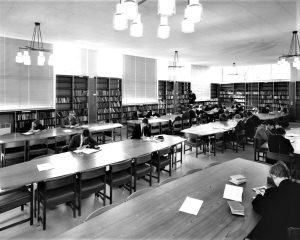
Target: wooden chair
x: 176, y: 149
x: 293, y: 233
x: 160, y: 160
x: 259, y: 151
x: 165, y: 127
x: 193, y: 121
x: 13, y: 153
x: 89, y: 182
x: 193, y: 141
x: 17, y: 197
x: 142, y: 167
x: 61, y: 144
x: 177, y: 127
x: 186, y: 123
x: 129, y: 130
x: 99, y: 211
x: 37, y: 148
x: 138, y: 193
x: 237, y: 140
x: 155, y: 128
x: 120, y: 174
x: 55, y: 192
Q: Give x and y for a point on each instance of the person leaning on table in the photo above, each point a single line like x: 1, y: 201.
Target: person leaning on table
x: 141, y: 130
x: 36, y: 126
x: 70, y: 120
x: 82, y: 140
x: 279, y: 206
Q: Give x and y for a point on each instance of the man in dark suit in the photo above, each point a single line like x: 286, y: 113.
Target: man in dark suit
x: 278, y: 143
x: 82, y: 141
x: 279, y: 206
x: 141, y: 130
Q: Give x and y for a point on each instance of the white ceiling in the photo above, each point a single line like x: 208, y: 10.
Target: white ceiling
x: 245, y: 32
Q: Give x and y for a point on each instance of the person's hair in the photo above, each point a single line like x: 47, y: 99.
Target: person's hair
x: 280, y: 131
x: 226, y: 112
x: 86, y: 132
x: 145, y: 120
x: 280, y: 170
x: 249, y: 114
x: 237, y: 116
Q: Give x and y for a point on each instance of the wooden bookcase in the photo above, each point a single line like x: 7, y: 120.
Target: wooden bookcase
x: 239, y: 93
x: 298, y: 100
x: 162, y: 91
x: 80, y: 98
x: 226, y: 94
x: 115, y: 99
x: 182, y: 94
x: 266, y: 91
x: 281, y: 95
x: 102, y: 86
x: 170, y: 97
x: 252, y: 93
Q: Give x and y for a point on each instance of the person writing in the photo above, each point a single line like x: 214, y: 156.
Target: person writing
x: 36, y: 126
x: 141, y: 130
x: 70, y: 120
x: 279, y: 206
x: 82, y: 140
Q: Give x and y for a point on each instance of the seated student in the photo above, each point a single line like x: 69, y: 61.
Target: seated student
x: 186, y: 115
x: 266, y: 109
x: 141, y: 130
x: 152, y: 114
x: 251, y: 124
x: 223, y: 117
x: 208, y: 108
x: 82, y: 140
x: 137, y: 114
x: 263, y: 131
x: 279, y: 144
x: 36, y: 126
x: 155, y: 114
x: 192, y: 114
x: 279, y: 206
x: 70, y: 120
x: 149, y: 114
x: 283, y: 122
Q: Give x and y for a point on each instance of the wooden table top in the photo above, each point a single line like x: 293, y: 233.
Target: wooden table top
x: 56, y: 132
x: 211, y: 128
x: 155, y: 215
x: 170, y: 117
x: 151, y: 120
x: 270, y: 116
x: 293, y: 134
x: 70, y: 163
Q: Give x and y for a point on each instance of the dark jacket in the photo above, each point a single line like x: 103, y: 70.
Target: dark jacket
x: 75, y: 142
x: 279, y: 208
x: 137, y: 132
x: 66, y: 121
x: 279, y: 144
x: 251, y: 124
x: 186, y: 115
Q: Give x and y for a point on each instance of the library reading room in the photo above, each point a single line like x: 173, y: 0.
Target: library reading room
x: 150, y: 119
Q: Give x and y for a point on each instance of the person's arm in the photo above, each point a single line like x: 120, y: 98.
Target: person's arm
x: 92, y: 142
x: 73, y: 144
x: 262, y: 202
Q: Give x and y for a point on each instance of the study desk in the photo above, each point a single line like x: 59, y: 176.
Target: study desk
x: 211, y: 128
x: 131, y: 123
x: 170, y: 117
x: 270, y: 116
x: 70, y: 162
x: 155, y: 215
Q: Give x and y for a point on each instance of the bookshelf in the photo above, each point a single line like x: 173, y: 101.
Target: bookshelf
x: 162, y: 90
x: 297, y: 100
x: 226, y: 94
x: 239, y: 93
x: 214, y: 90
x: 281, y: 95
x: 183, y: 89
x: 102, y: 89
x: 170, y: 97
x: 64, y: 96
x: 80, y: 98
x: 115, y: 99
x: 252, y: 93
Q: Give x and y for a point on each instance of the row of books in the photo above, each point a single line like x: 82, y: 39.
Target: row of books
x: 26, y: 116
x: 80, y: 93
x: 80, y: 105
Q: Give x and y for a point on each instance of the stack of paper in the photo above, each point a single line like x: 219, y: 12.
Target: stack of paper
x: 237, y: 179
x: 233, y: 193
x: 191, y: 205
x: 236, y: 208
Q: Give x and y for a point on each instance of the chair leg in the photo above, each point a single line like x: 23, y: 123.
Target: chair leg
x: 74, y: 207
x: 150, y: 181
x: 170, y: 172
x: 44, y: 215
x: 158, y: 174
x: 79, y: 205
x: 110, y: 194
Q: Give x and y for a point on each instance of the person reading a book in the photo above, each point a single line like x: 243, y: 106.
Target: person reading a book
x: 279, y: 206
x: 70, y: 120
x: 141, y: 130
x: 36, y: 126
x: 83, y: 140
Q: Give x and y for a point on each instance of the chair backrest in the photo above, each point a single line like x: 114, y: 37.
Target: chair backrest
x: 138, y: 193
x: 59, y: 182
x: 164, y: 151
x: 143, y: 159
x: 94, y: 173
x: 13, y: 153
x: 193, y: 121
x: 177, y: 125
x: 185, y: 123
x: 120, y: 166
x: 99, y: 211
x: 294, y: 233
x: 165, y: 126
x: 61, y: 140
x: 281, y: 157
x: 155, y: 128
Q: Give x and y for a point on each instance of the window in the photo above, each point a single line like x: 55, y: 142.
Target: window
x: 139, y: 80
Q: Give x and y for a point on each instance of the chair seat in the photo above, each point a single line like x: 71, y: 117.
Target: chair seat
x: 91, y: 186
x: 120, y: 177
x: 14, y: 200
x: 164, y: 161
x: 59, y: 195
x: 142, y: 169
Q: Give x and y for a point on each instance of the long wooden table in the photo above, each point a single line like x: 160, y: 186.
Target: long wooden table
x: 270, y: 116
x: 155, y: 215
x: 70, y: 163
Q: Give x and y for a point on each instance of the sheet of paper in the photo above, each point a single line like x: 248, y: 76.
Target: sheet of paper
x: 191, y: 205
x: 86, y: 150
x: 44, y: 167
x: 292, y: 135
x: 233, y: 193
x: 67, y: 130
x: 27, y: 133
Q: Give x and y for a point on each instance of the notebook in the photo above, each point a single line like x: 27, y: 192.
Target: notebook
x: 236, y: 208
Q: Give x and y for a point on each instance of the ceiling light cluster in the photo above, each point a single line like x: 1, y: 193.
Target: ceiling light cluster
x: 127, y: 11
x: 35, y: 45
x: 294, y: 52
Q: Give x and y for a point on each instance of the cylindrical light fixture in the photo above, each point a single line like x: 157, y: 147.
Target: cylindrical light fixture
x: 130, y: 9
x: 166, y: 7
x: 119, y: 21
x: 296, y: 62
x: 194, y: 11
x: 163, y: 30
x: 187, y: 25
x: 41, y: 59
x: 26, y: 57
x: 19, y: 57
x: 136, y: 27
x: 51, y: 60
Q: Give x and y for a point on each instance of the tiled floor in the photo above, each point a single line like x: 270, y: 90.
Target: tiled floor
x: 60, y: 219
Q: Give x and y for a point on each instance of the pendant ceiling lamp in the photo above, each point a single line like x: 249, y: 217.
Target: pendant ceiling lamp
x: 294, y: 52
x: 163, y: 30
x: 36, y: 44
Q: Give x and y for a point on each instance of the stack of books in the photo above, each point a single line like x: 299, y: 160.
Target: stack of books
x: 236, y: 208
x: 237, y: 179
